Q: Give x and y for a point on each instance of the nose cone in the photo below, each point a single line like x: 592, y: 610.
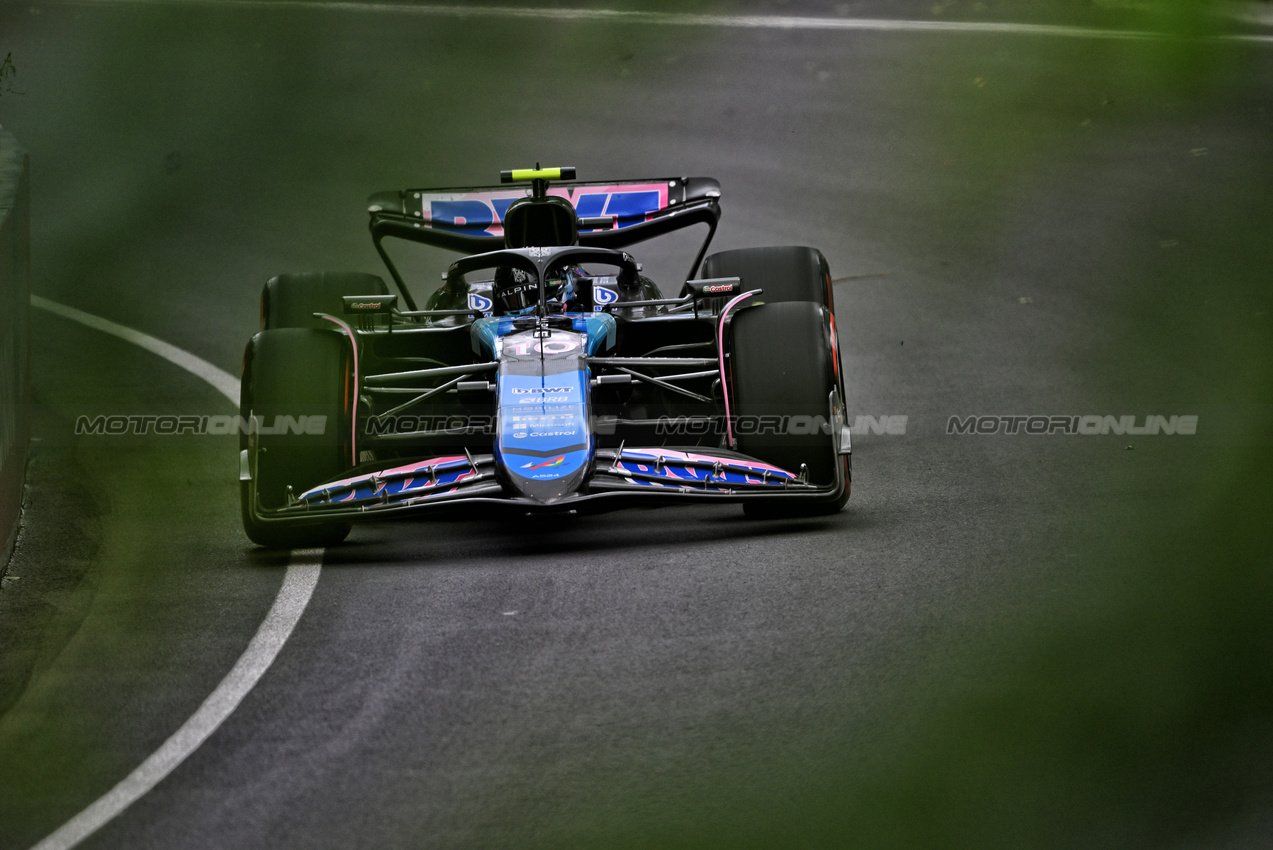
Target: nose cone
x: 544, y: 445
x: 546, y: 489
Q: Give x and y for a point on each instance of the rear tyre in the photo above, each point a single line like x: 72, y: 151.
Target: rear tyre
x: 291, y: 300
x: 783, y: 365
x: 785, y: 273
x: 296, y: 381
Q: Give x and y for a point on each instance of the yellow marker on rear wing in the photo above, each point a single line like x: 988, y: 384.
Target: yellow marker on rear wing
x: 523, y: 175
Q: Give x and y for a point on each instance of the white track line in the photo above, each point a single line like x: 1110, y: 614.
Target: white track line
x: 222, y: 381
x: 302, y: 575
x: 293, y: 596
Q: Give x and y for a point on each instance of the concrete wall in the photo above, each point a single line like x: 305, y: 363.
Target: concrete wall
x: 15, y: 297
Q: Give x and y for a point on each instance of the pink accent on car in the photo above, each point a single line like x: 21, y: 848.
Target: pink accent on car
x: 353, y: 403
x: 366, y: 479
x: 672, y: 454
x: 720, y: 348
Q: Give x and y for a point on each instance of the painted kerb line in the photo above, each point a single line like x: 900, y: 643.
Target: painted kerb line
x: 303, y: 571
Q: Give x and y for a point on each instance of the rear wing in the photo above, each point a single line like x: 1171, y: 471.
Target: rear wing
x: 470, y: 220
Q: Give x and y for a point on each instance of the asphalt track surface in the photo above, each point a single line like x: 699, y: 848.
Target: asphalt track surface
x: 1019, y: 224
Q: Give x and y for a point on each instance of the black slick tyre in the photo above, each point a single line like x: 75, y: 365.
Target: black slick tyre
x: 291, y: 300
x: 297, y: 388
x: 783, y: 370
x: 784, y: 272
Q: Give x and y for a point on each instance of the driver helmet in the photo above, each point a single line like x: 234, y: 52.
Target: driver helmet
x: 515, y: 291
x: 564, y: 290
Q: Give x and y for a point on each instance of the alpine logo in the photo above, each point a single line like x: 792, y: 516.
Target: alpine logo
x: 557, y: 461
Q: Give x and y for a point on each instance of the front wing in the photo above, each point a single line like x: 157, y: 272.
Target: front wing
x: 622, y: 476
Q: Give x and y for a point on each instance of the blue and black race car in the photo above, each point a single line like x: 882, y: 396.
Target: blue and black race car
x: 547, y: 372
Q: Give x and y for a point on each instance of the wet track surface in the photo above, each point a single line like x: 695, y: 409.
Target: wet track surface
x: 1018, y: 226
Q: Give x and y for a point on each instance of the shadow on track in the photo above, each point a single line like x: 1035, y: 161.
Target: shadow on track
x: 480, y: 539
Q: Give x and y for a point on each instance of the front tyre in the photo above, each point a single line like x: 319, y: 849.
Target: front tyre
x: 784, y: 368
x: 297, y: 389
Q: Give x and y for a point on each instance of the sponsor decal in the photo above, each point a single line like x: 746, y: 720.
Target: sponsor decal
x: 557, y: 346
x: 602, y: 295
x: 480, y: 303
x: 523, y: 347
x: 557, y: 461
x: 544, y: 420
x: 483, y: 211
x: 369, y: 303
x: 446, y: 471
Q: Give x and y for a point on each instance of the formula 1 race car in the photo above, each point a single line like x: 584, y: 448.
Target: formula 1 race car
x: 547, y: 372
